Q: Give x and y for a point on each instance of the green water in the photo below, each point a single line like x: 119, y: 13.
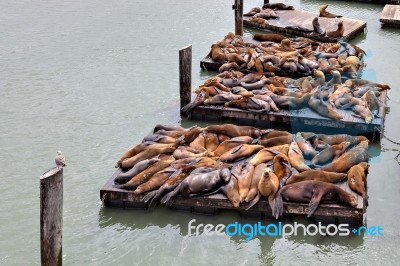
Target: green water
x: 91, y: 78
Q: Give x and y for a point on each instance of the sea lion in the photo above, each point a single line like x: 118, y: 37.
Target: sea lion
x: 124, y: 177
x: 276, y: 141
x: 305, y: 146
x: 159, y: 138
x: 228, y: 67
x: 289, y: 102
x: 266, y: 14
x: 269, y: 183
x: 331, y: 153
x: 199, y: 100
x: 339, y: 138
x: 145, y: 175
x: 217, y: 54
x: 268, y: 99
x: 231, y: 191
x: 148, y: 153
x: 282, y: 168
x: 298, y: 28
x: 357, y: 179
x: 338, y: 32
x: 296, y: 157
x: 260, y: 21
x: 222, y: 99
x: 198, y: 142
x: 267, y: 154
x: 252, y: 77
x: 252, y: 12
x: 241, y: 151
x: 228, y: 144
x: 372, y: 102
x: 256, y: 85
x: 363, y: 82
x: 255, y: 180
x: 277, y: 6
x: 234, y: 131
x: 198, y: 183
x: 185, y: 152
x: 275, y: 133
x: 132, y: 152
x: 211, y: 141
x: 268, y: 37
x: 326, y: 14
x: 249, y: 103
x: 355, y: 155
x: 319, y: 79
x: 243, y: 173
x: 155, y: 181
x: 313, y: 192
x: 317, y: 27
x: 363, y: 112
x: 317, y: 175
x: 319, y: 106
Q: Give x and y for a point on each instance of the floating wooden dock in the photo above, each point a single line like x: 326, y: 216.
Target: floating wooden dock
x: 352, y: 27
x: 298, y: 120
x: 390, y: 15
x: 326, y: 213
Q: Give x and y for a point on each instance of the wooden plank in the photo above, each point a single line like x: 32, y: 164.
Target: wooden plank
x: 113, y: 197
x: 51, y: 217
x: 390, y: 15
x: 303, y: 18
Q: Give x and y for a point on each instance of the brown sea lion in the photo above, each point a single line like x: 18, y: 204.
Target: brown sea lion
x: 326, y: 14
x: 199, y: 183
x: 241, y: 151
x: 211, y: 141
x: 363, y: 112
x: 268, y: 154
x: 228, y: 144
x: 231, y: 191
x: 198, y: 142
x: 255, y: 85
x: 372, y: 102
x: 249, y: 103
x: 269, y: 183
x: 252, y: 12
x: 185, y: 152
x: 243, y: 173
x: 217, y: 54
x: 282, y: 168
x: 339, y: 138
x: 318, y: 175
x: 338, y: 32
x: 132, y: 152
x: 159, y: 138
x: 255, y: 180
x: 296, y: 157
x: 331, y: 153
x: 234, y: 131
x: 222, y: 98
x: 228, y: 67
x: 314, y: 192
x: 268, y: 37
x: 260, y: 21
x: 355, y: 155
x: 357, y: 179
x: 148, y: 153
x: 155, y: 181
x: 268, y: 99
x: 145, y: 175
x: 363, y: 82
x: 276, y: 141
x: 289, y: 102
x: 252, y: 77
x: 277, y: 6
x: 124, y: 177
x: 275, y: 133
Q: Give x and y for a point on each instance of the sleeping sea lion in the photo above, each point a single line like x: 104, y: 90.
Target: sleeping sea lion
x: 243, y: 173
x: 277, y: 6
x: 228, y: 144
x: 234, y: 131
x: 317, y: 175
x: 313, y: 192
x: 357, y: 179
x: 331, y: 153
x: 305, y: 146
x: 268, y: 37
x: 255, y: 179
x: 155, y: 181
x: 231, y: 191
x: 296, y: 157
x: 241, y: 151
x: 124, y: 177
x: 282, y: 168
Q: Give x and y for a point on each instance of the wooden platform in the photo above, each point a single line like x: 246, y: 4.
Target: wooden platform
x: 326, y: 213
x: 352, y: 27
x: 299, y: 120
x: 390, y: 15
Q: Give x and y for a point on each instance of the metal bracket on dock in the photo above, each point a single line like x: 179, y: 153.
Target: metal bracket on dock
x: 234, y: 7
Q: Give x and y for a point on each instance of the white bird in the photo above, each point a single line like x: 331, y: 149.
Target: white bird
x: 60, y: 159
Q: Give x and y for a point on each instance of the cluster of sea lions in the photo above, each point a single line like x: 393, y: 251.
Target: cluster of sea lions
x: 261, y: 15
x: 274, y: 54
x: 244, y: 163
x: 257, y: 93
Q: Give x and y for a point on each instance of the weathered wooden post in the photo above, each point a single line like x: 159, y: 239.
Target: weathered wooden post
x: 238, y: 7
x: 51, y: 216
x: 185, y: 75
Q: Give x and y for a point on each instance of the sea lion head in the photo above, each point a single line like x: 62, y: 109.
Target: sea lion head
x: 344, y: 145
x: 267, y: 172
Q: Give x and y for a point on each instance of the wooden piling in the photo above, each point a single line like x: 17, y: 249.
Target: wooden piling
x: 51, y: 217
x: 238, y: 7
x: 185, y: 75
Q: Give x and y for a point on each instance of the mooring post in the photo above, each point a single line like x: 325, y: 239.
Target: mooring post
x: 238, y: 7
x: 185, y: 75
x: 51, y: 217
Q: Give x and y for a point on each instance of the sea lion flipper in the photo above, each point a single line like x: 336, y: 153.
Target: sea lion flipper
x: 168, y: 198
x: 236, y: 149
x: 278, y: 205
x: 314, y: 202
x: 254, y: 201
x: 271, y: 201
x: 149, y: 196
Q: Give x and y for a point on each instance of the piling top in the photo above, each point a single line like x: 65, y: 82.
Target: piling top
x: 51, y: 172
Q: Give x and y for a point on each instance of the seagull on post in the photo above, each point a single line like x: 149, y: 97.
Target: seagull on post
x: 60, y: 159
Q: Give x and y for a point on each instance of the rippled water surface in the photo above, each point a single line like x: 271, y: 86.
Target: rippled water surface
x: 93, y: 77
